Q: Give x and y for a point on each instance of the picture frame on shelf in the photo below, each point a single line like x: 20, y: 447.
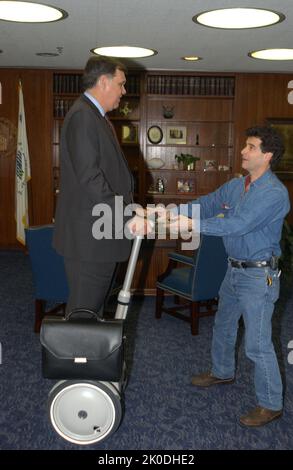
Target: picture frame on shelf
x: 155, y: 134
x: 210, y: 165
x: 185, y: 186
x: 223, y: 168
x: 176, y: 135
x: 129, y: 134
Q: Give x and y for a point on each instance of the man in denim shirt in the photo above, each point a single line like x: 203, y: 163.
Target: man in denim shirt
x: 248, y: 213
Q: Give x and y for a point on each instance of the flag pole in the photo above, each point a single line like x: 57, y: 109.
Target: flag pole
x: 22, y: 172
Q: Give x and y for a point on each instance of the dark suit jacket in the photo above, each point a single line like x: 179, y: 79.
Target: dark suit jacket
x: 93, y: 170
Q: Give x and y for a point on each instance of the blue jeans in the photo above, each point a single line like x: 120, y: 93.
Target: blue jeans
x: 247, y: 292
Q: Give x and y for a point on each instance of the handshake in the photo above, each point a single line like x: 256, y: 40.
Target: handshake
x: 147, y: 219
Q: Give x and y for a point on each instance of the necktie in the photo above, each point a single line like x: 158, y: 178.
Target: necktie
x: 112, y: 130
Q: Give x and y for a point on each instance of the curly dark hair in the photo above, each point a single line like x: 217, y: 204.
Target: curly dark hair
x: 271, y: 141
x: 97, y: 66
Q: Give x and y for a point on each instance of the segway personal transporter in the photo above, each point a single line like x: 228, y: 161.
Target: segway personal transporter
x: 87, y: 411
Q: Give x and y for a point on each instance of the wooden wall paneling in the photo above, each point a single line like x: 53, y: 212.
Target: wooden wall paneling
x: 37, y: 92
x: 258, y: 97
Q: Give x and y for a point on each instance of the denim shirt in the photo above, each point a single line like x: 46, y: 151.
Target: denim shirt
x: 249, y: 222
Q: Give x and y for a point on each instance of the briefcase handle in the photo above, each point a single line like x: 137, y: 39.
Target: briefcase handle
x: 86, y: 313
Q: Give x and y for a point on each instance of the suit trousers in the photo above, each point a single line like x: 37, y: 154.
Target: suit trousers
x: 89, y: 283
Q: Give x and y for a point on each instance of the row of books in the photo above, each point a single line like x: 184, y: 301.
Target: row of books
x: 132, y: 84
x: 67, y: 83
x: 61, y: 107
x: 190, y: 85
x: 72, y: 83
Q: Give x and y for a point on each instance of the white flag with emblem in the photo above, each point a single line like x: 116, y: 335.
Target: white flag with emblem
x: 22, y: 173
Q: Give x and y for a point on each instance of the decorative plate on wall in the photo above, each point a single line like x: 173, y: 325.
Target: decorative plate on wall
x: 155, y: 134
x: 8, y: 133
x: 155, y: 163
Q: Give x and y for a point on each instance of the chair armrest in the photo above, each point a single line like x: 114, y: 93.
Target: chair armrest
x: 181, y: 258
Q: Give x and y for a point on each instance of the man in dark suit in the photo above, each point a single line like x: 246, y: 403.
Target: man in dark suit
x: 93, y: 171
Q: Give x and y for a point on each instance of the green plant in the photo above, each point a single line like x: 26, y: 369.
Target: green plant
x: 186, y: 159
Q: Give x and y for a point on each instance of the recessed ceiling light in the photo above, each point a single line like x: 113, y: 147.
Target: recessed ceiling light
x: 191, y: 58
x: 238, y: 18
x: 124, y: 51
x: 272, y: 54
x: 28, y: 12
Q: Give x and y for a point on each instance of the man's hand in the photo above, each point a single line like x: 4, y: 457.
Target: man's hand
x: 158, y: 212
x: 179, y: 224
x: 140, y: 211
x: 140, y: 226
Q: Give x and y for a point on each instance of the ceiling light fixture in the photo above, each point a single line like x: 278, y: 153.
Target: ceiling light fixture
x: 238, y: 18
x: 28, y: 12
x: 272, y: 54
x: 130, y: 52
x: 191, y: 58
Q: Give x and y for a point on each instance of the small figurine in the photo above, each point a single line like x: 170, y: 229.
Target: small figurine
x: 125, y: 109
x: 160, y: 185
x: 168, y: 111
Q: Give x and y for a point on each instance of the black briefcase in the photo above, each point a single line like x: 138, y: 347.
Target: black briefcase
x: 82, y: 346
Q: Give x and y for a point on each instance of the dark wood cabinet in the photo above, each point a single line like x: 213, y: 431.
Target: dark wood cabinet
x: 66, y: 89
x: 127, y: 123
x: 163, y: 115
x: 194, y: 115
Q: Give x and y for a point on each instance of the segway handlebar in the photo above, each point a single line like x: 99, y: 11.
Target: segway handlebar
x: 124, y: 294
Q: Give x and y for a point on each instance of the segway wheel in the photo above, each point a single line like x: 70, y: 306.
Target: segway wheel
x: 84, y: 412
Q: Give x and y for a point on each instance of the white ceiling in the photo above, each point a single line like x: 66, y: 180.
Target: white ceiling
x: 164, y: 25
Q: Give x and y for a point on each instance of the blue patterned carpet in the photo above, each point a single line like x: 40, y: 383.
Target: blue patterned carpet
x: 162, y: 410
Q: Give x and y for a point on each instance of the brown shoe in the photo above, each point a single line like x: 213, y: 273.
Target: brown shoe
x: 260, y: 416
x: 206, y: 379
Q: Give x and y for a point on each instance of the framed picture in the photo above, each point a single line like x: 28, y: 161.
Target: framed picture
x: 129, y: 134
x: 185, y: 186
x: 285, y: 128
x: 155, y: 134
x: 176, y: 135
x: 210, y: 165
